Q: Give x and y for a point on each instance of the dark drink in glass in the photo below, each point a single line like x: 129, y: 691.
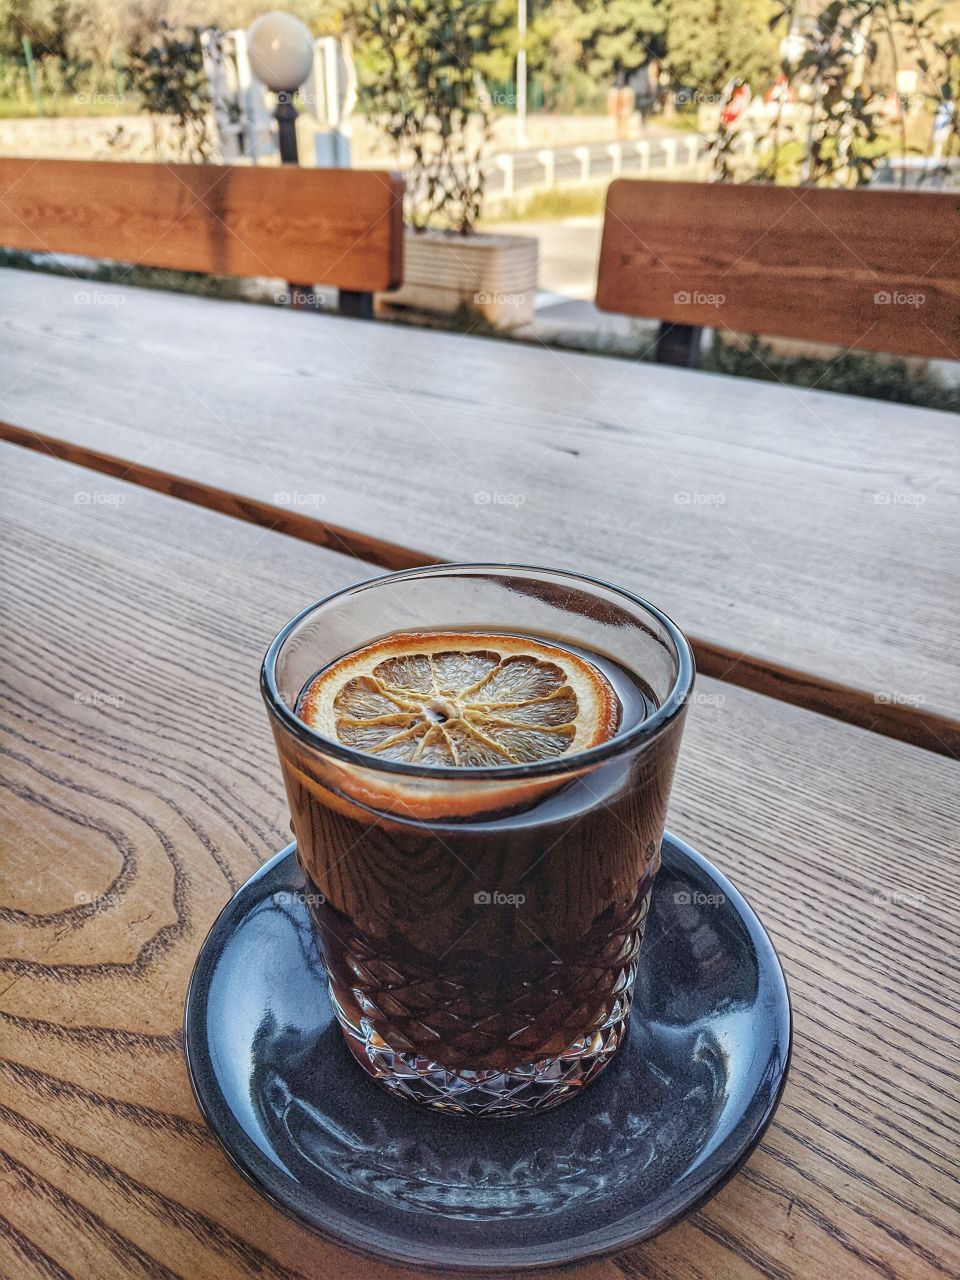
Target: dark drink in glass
x: 480, y: 921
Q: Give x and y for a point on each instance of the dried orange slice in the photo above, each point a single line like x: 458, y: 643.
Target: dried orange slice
x: 462, y: 700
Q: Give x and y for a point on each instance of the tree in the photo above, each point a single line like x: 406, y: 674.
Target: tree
x: 834, y: 124
x: 935, y: 47
x: 839, y: 81
x: 617, y: 36
x: 47, y: 24
x: 167, y: 72
x: 93, y: 29
x: 553, y: 46
x: 423, y: 85
x: 709, y: 42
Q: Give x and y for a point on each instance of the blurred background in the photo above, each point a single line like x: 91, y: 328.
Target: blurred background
x: 509, y: 118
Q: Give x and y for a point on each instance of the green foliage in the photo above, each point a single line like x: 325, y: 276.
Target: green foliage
x: 65, y: 86
x: 708, y: 42
x: 847, y: 67
x: 167, y: 73
x: 77, y: 30
x: 844, y: 122
x: 94, y: 29
x: 700, y: 43
x: 423, y: 86
x: 46, y: 23
x: 553, y: 46
x: 935, y: 46
x: 858, y: 373
x: 617, y: 36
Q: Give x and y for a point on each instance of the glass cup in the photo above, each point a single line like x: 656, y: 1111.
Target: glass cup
x: 480, y: 927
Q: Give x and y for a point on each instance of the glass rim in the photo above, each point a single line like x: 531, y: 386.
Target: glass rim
x: 620, y: 744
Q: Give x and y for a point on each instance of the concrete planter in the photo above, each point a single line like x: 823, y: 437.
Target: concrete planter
x: 495, y: 275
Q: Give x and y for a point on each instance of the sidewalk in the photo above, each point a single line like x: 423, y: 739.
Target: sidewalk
x: 565, y: 311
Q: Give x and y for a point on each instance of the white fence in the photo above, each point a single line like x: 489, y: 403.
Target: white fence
x: 513, y: 172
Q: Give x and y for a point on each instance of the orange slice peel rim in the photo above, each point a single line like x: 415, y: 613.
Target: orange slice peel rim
x: 461, y: 701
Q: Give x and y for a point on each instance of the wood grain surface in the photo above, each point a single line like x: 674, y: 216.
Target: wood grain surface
x: 809, y: 543
x: 874, y: 269
x: 339, y: 227
x: 140, y: 788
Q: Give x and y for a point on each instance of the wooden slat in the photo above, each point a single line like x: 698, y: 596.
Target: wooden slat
x: 809, y: 543
x: 873, y: 269
x: 131, y: 622
x: 340, y: 227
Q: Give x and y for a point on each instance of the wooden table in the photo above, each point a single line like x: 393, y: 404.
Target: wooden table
x: 809, y: 543
x: 129, y: 616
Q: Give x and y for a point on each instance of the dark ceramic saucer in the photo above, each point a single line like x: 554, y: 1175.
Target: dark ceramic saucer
x: 674, y: 1116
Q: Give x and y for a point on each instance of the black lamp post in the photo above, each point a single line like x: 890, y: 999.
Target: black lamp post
x: 285, y: 114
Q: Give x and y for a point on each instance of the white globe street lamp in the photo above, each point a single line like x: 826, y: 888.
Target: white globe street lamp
x: 280, y: 48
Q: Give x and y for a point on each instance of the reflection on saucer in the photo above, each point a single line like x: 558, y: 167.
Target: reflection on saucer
x: 644, y: 1119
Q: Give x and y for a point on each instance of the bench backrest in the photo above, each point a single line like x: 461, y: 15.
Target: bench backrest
x: 873, y: 269
x: 341, y: 227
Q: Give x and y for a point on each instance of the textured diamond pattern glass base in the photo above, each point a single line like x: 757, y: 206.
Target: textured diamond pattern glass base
x: 533, y: 1086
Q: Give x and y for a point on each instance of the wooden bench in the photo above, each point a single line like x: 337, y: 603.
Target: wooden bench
x: 338, y: 227
x: 871, y: 269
